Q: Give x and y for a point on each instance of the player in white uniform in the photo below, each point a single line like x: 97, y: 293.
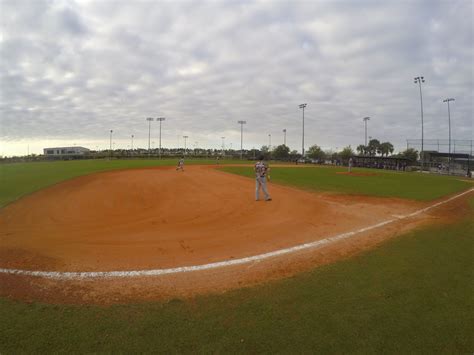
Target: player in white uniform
x: 261, y: 175
x: 180, y: 165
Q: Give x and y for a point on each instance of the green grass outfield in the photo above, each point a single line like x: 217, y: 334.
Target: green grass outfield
x: 414, y: 294
x: 384, y: 183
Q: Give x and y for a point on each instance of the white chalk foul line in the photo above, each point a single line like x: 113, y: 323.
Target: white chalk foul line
x: 157, y: 272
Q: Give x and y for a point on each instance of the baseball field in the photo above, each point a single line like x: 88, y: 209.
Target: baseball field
x: 134, y: 256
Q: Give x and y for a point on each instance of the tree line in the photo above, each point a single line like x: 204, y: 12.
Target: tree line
x: 315, y: 152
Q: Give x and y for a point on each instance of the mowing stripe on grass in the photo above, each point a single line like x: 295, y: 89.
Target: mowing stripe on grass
x: 157, y: 272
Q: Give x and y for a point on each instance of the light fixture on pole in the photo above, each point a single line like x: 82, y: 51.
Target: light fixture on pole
x: 449, y: 126
x: 223, y: 145
x: 419, y: 80
x: 185, y: 138
x: 241, y: 136
x: 161, y: 119
x: 149, y: 119
x: 132, y: 141
x: 269, y: 142
x: 110, y: 154
x: 284, y: 137
x: 302, y: 145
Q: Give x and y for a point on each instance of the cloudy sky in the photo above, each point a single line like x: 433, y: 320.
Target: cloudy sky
x: 71, y: 71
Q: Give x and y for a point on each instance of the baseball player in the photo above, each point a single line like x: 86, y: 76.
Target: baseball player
x: 350, y: 164
x: 261, y: 175
x: 180, y: 165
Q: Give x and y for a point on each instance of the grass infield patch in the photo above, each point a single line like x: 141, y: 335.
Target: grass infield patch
x: 412, y: 294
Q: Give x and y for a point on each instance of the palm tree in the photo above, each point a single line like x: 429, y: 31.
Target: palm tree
x: 386, y: 148
x: 361, y: 149
x: 374, y: 147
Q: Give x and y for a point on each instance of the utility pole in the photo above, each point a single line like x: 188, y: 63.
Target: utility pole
x: 365, y: 120
x: 149, y: 119
x: 449, y: 124
x: 185, y: 138
x: 419, y: 80
x: 110, y: 155
x: 302, y: 147
x: 161, y: 119
x: 241, y: 136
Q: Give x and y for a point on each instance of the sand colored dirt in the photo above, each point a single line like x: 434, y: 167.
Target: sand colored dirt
x: 160, y: 218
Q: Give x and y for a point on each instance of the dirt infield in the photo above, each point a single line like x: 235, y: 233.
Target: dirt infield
x: 160, y: 218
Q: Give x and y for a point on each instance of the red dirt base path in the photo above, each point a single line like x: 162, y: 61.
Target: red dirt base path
x: 160, y: 218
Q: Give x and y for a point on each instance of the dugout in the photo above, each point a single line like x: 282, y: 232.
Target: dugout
x: 391, y: 163
x: 454, y: 163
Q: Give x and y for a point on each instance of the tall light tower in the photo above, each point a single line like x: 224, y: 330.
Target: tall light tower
x: 449, y: 124
x: 269, y: 142
x: 161, y: 119
x: 419, y: 80
x: 302, y: 145
x: 365, y: 120
x: 149, y: 119
x: 110, y: 155
x: 284, y: 137
x: 185, y: 138
x: 222, y: 145
x: 241, y: 136
x: 132, y: 141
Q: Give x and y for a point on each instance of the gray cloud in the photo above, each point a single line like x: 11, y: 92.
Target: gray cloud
x: 74, y: 70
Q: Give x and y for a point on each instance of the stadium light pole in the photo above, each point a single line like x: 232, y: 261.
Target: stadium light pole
x: 222, y: 145
x: 302, y: 147
x: 419, y: 80
x: 284, y: 137
x: 185, y: 138
x: 269, y: 141
x: 449, y: 126
x: 161, y: 119
x: 241, y: 137
x: 149, y: 119
x: 132, y: 141
x: 365, y: 120
x: 110, y: 155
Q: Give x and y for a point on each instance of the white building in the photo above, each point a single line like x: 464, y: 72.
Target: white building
x: 65, y: 151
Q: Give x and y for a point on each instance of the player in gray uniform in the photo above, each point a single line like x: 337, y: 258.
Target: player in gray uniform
x: 180, y: 165
x: 261, y: 175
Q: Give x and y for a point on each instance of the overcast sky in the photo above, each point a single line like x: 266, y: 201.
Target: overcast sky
x: 73, y: 70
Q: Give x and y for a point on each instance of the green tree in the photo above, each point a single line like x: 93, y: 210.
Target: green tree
x: 361, y: 149
x: 410, y: 154
x: 373, y: 147
x: 294, y: 155
x: 386, y: 148
x: 281, y: 152
x: 315, y: 152
x: 346, y: 153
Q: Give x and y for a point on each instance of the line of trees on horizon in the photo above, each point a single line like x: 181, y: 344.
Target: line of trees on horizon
x: 315, y: 152
x: 280, y: 152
